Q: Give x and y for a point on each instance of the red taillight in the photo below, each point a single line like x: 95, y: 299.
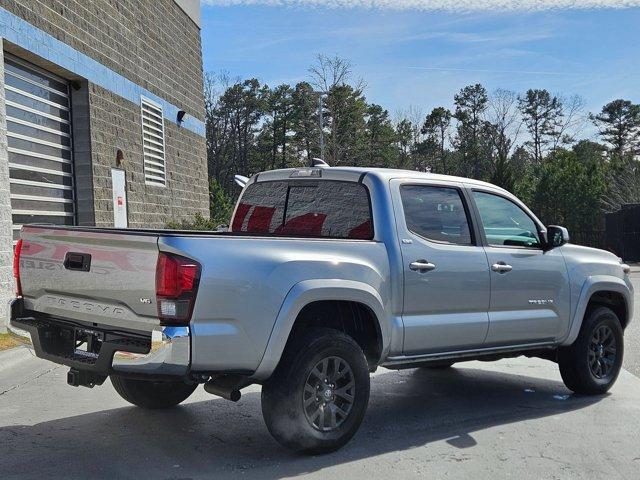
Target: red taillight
x: 16, y: 267
x: 176, y: 286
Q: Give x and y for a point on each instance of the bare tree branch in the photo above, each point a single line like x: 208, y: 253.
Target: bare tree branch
x: 571, y: 122
x: 329, y: 72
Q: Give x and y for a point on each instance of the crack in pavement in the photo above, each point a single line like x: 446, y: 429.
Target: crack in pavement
x: 30, y: 380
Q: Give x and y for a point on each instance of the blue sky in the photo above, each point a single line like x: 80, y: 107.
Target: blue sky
x: 421, y: 58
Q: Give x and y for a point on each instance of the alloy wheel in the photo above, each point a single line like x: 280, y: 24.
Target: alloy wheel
x: 602, y: 352
x: 328, y: 394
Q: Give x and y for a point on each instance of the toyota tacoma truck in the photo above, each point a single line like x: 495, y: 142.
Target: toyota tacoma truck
x: 323, y: 275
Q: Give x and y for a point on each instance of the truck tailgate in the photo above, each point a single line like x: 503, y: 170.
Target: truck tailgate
x: 106, y: 277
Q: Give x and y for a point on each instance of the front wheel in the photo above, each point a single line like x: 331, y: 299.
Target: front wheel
x: 153, y: 395
x: 592, y: 363
x: 316, y: 399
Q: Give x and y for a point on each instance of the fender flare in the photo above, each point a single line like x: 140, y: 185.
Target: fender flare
x: 594, y: 284
x: 306, y: 292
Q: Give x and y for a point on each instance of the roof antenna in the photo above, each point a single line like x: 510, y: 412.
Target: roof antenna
x: 318, y: 162
x: 241, y: 180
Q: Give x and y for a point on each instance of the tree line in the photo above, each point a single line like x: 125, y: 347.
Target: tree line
x: 530, y: 143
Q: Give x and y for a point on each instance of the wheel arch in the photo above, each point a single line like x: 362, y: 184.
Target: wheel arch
x: 603, y: 290
x: 613, y: 300
x: 310, y: 293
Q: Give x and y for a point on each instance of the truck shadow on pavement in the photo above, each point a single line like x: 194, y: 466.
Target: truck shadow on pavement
x: 217, y: 439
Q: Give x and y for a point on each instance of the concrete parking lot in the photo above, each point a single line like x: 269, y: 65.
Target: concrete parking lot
x: 507, y: 419
x: 632, y: 334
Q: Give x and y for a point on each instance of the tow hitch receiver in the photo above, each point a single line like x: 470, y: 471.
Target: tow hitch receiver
x: 78, y: 378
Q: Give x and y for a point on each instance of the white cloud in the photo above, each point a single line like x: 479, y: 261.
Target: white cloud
x: 487, y: 70
x: 439, y: 5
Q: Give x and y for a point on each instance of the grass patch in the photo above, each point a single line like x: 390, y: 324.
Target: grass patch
x: 6, y: 342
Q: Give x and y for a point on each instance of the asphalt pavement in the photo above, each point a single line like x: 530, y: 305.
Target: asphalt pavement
x: 508, y: 419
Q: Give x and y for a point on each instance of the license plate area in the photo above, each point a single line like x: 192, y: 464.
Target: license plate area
x: 72, y: 342
x: 87, y: 343
x: 81, y: 347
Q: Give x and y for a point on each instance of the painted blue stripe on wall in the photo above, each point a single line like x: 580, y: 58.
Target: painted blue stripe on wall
x: 22, y: 33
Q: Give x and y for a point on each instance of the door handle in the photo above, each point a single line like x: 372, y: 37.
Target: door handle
x: 422, y: 266
x: 501, y: 267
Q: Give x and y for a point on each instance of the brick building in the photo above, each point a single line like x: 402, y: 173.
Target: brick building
x: 101, y: 116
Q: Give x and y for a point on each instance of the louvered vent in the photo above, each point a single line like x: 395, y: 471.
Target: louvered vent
x: 155, y: 172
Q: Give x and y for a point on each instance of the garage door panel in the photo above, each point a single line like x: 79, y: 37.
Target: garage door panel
x: 44, y: 204
x: 21, y: 187
x: 25, y: 219
x: 36, y: 147
x: 42, y: 177
x: 16, y: 66
x: 42, y: 133
x: 29, y: 88
x: 22, y: 114
x: 40, y: 145
x: 62, y: 166
x: 35, y: 104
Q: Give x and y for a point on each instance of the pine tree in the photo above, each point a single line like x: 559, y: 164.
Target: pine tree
x: 619, y: 124
x: 436, y: 128
x: 542, y: 114
x: 472, y: 134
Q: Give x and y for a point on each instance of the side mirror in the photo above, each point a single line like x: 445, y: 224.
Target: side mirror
x: 556, y: 236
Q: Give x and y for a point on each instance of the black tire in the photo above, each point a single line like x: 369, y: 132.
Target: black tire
x: 308, y: 429
x: 152, y: 395
x: 591, y: 365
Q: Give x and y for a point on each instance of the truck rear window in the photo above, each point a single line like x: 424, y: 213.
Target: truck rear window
x: 302, y: 208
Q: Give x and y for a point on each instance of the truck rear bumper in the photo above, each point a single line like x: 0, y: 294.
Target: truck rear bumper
x: 165, y: 352
x: 169, y: 354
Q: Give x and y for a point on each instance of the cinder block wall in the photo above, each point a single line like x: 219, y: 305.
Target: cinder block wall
x: 6, y: 244
x: 115, y: 123
x: 157, y: 46
x: 152, y: 43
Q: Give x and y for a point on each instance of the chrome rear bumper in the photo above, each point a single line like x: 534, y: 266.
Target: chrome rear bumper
x: 169, y: 354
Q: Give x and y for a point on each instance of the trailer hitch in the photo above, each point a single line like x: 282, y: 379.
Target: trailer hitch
x: 80, y: 378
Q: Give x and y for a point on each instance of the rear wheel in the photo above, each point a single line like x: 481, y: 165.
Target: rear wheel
x: 316, y: 399
x: 592, y: 364
x: 153, y: 395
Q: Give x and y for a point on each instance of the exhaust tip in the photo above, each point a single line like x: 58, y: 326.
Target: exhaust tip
x: 232, y: 394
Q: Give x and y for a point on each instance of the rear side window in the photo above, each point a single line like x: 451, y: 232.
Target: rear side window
x: 436, y: 213
x: 322, y: 209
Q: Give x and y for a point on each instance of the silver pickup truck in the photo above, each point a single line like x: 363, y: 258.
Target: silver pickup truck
x: 323, y: 275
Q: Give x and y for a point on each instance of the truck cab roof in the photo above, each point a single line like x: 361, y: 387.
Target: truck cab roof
x: 355, y: 174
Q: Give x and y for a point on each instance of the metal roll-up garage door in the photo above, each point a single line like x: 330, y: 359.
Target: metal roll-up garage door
x: 40, y: 146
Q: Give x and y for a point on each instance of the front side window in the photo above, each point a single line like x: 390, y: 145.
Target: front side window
x: 322, y: 209
x: 436, y: 213
x: 505, y: 223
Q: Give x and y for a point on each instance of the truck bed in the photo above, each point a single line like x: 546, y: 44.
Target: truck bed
x: 244, y: 281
